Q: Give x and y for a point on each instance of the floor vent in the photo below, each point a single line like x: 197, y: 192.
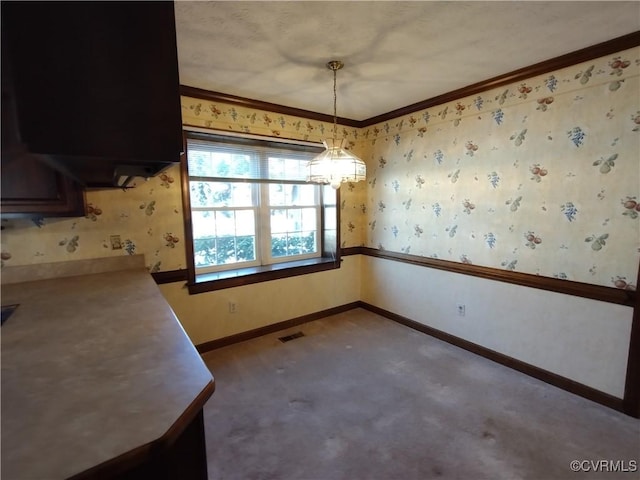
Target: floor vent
x: 293, y: 336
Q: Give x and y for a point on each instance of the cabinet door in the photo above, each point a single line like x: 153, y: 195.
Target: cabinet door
x: 96, y: 81
x: 28, y: 186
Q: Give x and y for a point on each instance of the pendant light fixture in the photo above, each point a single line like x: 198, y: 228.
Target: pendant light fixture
x: 335, y: 165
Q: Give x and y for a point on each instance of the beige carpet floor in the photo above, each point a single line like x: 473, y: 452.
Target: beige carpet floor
x: 362, y: 397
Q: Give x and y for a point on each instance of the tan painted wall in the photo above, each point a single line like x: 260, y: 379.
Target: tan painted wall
x: 581, y: 339
x: 206, y: 316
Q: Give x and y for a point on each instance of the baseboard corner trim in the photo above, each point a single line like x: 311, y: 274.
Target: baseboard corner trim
x: 275, y: 327
x: 546, y: 376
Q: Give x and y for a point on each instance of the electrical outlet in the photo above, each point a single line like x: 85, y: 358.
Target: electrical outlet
x: 461, y: 309
x: 233, y: 307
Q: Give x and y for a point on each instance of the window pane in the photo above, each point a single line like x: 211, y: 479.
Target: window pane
x: 198, y: 162
x: 297, y: 243
x: 293, y: 231
x: 308, y: 219
x: 245, y: 222
x: 204, y: 224
x: 306, y: 195
x: 204, y: 251
x: 204, y: 163
x: 291, y: 194
x: 246, y: 248
x: 330, y: 218
x: 221, y: 194
x: 234, y: 250
x: 242, y: 194
x: 277, y: 194
x: 278, y: 221
x: 290, y: 168
x: 302, y: 242
x: 224, y: 236
x: 279, y: 245
x: 225, y: 223
x: 294, y: 220
x: 276, y: 167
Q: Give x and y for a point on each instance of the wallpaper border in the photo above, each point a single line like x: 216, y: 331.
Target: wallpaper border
x: 568, y: 287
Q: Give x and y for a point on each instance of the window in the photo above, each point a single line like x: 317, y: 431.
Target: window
x: 252, y: 212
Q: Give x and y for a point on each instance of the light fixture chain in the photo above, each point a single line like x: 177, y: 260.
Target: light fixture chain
x: 335, y: 65
x: 335, y: 107
x: 336, y: 165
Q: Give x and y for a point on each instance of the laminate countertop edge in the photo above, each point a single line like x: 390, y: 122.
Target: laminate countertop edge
x: 145, y: 453
x: 96, y: 371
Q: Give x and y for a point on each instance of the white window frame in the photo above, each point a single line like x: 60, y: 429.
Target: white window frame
x: 265, y: 225
x: 263, y: 233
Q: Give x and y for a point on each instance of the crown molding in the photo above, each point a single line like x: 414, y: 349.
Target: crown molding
x: 589, y: 53
x: 202, y: 94
x: 595, y: 51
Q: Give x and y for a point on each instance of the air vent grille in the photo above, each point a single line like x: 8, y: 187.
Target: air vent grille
x: 293, y: 336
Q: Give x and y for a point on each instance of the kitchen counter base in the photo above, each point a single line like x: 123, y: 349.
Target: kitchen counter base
x: 99, y: 379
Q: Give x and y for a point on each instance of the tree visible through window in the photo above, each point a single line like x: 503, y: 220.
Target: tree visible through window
x: 250, y: 203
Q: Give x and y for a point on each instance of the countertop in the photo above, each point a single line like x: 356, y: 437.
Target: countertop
x: 94, y: 366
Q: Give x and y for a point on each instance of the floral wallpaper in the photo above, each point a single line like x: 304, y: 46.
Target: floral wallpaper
x: 219, y: 116
x: 144, y: 219
x: 540, y: 177
x: 148, y: 218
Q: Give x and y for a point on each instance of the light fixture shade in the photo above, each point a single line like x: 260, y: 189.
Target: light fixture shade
x: 336, y: 165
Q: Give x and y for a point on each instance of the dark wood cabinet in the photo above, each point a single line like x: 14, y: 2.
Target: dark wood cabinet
x: 181, y: 458
x: 29, y: 186
x: 96, y: 87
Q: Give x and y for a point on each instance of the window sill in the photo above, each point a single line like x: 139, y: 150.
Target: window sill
x: 208, y: 282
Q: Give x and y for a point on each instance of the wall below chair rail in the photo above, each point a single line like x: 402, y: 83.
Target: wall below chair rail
x: 583, y: 340
x: 206, y: 316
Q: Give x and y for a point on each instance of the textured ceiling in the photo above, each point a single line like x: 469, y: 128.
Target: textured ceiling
x: 395, y: 53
